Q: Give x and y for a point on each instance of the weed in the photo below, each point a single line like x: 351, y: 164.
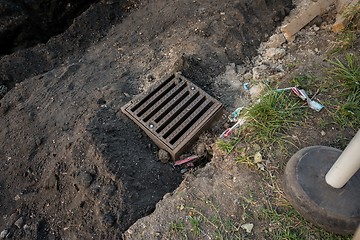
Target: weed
x: 344, y: 41
x: 348, y: 73
x: 352, y: 12
x: 227, y: 146
x: 348, y: 37
x: 212, y: 225
x: 304, y: 81
x: 286, y: 223
x: 347, y: 108
x: 271, y: 118
x: 178, y: 228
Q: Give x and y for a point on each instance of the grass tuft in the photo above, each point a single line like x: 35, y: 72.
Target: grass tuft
x: 347, y: 107
x: 271, y: 118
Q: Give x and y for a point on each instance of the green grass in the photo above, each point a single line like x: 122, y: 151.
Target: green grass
x: 286, y: 223
x: 347, y: 105
x: 352, y: 13
x: 270, y: 119
x: 348, y: 38
x: 344, y: 41
x: 267, y: 125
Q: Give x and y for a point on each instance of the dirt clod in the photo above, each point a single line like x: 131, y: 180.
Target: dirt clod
x: 19, y: 223
x: 201, y: 149
x: 163, y: 156
x: 85, y: 179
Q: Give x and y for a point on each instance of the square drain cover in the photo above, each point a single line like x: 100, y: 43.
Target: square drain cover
x: 174, y: 113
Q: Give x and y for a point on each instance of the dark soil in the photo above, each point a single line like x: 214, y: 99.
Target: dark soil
x: 26, y: 23
x: 73, y: 166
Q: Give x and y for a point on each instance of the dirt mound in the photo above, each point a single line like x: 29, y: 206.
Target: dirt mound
x: 74, y: 167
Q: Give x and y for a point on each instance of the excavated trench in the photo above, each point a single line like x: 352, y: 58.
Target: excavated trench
x: 74, y: 166
x: 27, y: 23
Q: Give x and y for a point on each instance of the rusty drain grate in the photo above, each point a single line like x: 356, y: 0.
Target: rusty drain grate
x: 174, y: 113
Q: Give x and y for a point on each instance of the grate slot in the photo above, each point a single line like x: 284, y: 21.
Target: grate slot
x: 182, y: 116
x: 153, y: 92
x: 176, y: 111
x: 169, y: 106
x: 166, y: 99
x: 204, y: 118
x: 190, y: 122
x: 154, y: 99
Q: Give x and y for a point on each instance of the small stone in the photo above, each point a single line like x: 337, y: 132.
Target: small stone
x: 3, y: 234
x: 163, y: 156
x: 316, y: 28
x: 85, y: 179
x: 241, y: 69
x: 17, y: 197
x: 323, y: 133
x: 257, y: 157
x: 201, y: 149
x: 261, y: 167
x: 256, y: 91
x: 259, y: 71
x: 275, y: 53
x: 20, y: 222
x: 276, y: 40
x: 248, y: 76
x: 248, y: 227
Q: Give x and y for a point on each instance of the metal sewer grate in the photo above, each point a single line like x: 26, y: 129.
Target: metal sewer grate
x: 174, y: 113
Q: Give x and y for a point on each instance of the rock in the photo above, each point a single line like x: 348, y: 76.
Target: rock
x: 256, y: 91
x: 259, y: 71
x: 248, y: 76
x: 316, y: 28
x: 276, y: 40
x: 20, y: 222
x: 257, y: 157
x: 163, y: 156
x: 274, y: 53
x: 201, y: 149
x: 3, y: 234
x: 248, y: 227
x: 85, y: 179
x: 241, y: 69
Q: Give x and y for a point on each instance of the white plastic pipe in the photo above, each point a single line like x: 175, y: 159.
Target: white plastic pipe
x: 346, y: 165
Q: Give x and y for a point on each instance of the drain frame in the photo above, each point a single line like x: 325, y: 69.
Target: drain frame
x: 173, y: 113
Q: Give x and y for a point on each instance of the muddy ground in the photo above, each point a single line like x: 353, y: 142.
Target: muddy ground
x: 73, y: 166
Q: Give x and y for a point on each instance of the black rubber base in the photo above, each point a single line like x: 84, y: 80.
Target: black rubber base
x: 335, y: 210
